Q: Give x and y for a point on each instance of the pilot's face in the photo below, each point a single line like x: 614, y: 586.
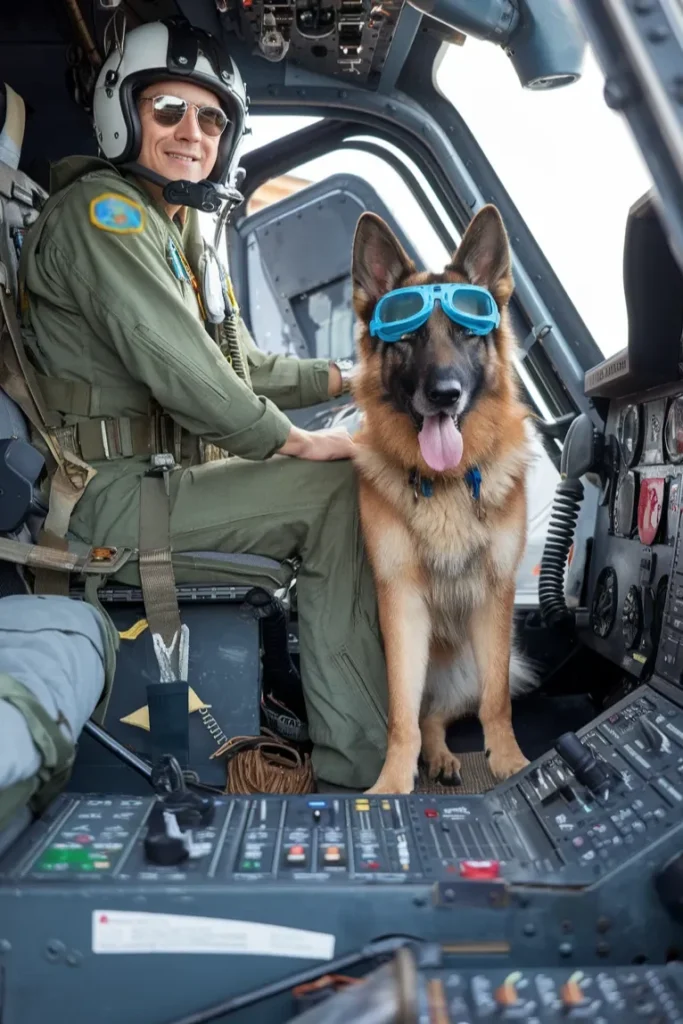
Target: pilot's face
x: 181, y: 150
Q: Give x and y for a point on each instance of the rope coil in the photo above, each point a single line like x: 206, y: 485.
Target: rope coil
x: 265, y: 764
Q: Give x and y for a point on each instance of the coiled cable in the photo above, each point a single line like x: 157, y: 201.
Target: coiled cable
x: 563, y: 519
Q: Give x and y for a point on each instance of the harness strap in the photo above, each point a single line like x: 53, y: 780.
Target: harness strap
x: 156, y: 566
x: 122, y: 437
x: 71, y: 474
x: 92, y: 561
x: 167, y: 700
x: 78, y: 398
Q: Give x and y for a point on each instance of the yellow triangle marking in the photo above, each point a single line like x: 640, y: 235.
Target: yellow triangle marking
x: 140, y: 718
x: 135, y: 630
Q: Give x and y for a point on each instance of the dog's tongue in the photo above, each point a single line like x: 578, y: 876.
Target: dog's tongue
x: 440, y: 443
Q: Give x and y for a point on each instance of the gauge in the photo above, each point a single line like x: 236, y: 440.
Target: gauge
x: 650, y: 506
x: 632, y: 618
x: 604, y: 609
x: 630, y: 434
x: 623, y: 512
x: 673, y: 432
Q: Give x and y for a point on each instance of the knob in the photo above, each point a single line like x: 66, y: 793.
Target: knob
x: 572, y: 994
x: 160, y: 848
x: 506, y: 994
x: 589, y: 771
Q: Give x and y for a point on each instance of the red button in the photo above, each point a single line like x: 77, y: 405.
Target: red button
x: 480, y: 870
x: 296, y: 850
x: 372, y: 864
x: 431, y: 813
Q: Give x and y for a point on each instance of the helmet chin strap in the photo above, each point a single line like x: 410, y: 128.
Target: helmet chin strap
x: 206, y: 196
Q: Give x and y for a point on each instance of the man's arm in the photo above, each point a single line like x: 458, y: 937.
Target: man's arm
x: 290, y: 383
x: 124, y: 286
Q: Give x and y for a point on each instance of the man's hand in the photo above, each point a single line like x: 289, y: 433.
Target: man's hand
x: 318, y: 445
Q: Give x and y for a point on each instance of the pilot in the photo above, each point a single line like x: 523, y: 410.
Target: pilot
x: 118, y: 325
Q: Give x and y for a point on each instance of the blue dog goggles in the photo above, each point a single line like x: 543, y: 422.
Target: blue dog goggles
x: 405, y: 309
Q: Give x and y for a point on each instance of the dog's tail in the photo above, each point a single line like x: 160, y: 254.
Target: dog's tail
x: 454, y: 688
x: 523, y: 675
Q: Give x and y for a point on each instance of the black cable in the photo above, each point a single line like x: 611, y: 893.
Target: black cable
x: 143, y: 768
x: 112, y: 744
x: 372, y: 951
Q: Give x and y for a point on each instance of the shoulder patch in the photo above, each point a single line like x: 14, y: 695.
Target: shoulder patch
x: 114, y: 212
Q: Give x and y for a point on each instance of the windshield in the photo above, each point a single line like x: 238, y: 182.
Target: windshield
x: 570, y: 165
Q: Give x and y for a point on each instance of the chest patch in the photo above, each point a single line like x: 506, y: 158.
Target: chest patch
x: 113, y: 212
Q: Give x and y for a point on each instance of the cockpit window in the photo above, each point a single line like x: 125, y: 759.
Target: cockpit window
x: 570, y: 165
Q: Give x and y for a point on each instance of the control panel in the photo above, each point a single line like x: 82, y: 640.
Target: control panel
x: 96, y: 840
x: 576, y: 860
x: 573, y: 817
x: 626, y: 996
x: 628, y: 593
x: 343, y: 38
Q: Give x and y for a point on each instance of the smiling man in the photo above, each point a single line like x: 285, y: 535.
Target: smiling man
x: 132, y: 325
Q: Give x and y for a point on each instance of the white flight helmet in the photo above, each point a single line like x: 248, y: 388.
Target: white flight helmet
x: 161, y: 51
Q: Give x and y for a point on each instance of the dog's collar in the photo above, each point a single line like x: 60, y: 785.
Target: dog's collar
x: 423, y: 485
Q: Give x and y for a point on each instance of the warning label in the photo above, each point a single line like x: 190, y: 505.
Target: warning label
x: 119, y: 931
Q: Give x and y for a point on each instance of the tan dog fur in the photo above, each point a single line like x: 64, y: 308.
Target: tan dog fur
x: 444, y: 566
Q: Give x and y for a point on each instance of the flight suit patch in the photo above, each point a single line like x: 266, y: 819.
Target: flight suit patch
x: 113, y: 212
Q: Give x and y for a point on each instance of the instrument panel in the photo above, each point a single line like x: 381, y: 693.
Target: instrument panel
x: 347, y: 39
x: 627, y: 591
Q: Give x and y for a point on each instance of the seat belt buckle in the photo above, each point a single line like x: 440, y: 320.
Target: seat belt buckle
x: 162, y: 464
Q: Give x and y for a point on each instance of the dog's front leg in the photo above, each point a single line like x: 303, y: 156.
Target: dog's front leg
x: 404, y: 620
x: 406, y: 630
x: 491, y: 634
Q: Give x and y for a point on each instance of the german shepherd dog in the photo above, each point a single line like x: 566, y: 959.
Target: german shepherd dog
x: 444, y: 541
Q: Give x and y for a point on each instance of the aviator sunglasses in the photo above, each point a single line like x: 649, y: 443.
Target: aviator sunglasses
x: 169, y: 111
x: 403, y: 310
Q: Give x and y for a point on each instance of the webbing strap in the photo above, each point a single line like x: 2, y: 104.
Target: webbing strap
x: 156, y: 565
x: 71, y: 475
x: 99, y: 561
x: 34, y: 555
x: 167, y: 701
x: 78, y: 398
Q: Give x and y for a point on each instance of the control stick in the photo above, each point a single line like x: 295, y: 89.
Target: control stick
x: 587, y: 768
x: 169, y: 835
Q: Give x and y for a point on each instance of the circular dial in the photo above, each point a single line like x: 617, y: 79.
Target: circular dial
x: 630, y: 434
x: 673, y: 431
x: 632, y: 618
x: 623, y: 513
x: 604, y: 610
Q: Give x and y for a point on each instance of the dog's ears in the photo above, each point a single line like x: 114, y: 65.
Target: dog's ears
x: 379, y: 261
x: 483, y: 255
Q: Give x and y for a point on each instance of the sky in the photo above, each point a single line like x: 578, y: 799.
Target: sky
x: 567, y: 160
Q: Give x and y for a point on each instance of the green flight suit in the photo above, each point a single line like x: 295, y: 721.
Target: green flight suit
x: 107, y: 309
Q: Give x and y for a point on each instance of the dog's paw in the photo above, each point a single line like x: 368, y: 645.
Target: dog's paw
x: 392, y: 783
x: 507, y: 761
x: 444, y: 767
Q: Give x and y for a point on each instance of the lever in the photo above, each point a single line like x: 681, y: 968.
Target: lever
x: 588, y: 769
x: 656, y: 739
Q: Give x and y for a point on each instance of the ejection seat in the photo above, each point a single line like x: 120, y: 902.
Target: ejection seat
x: 205, y: 581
